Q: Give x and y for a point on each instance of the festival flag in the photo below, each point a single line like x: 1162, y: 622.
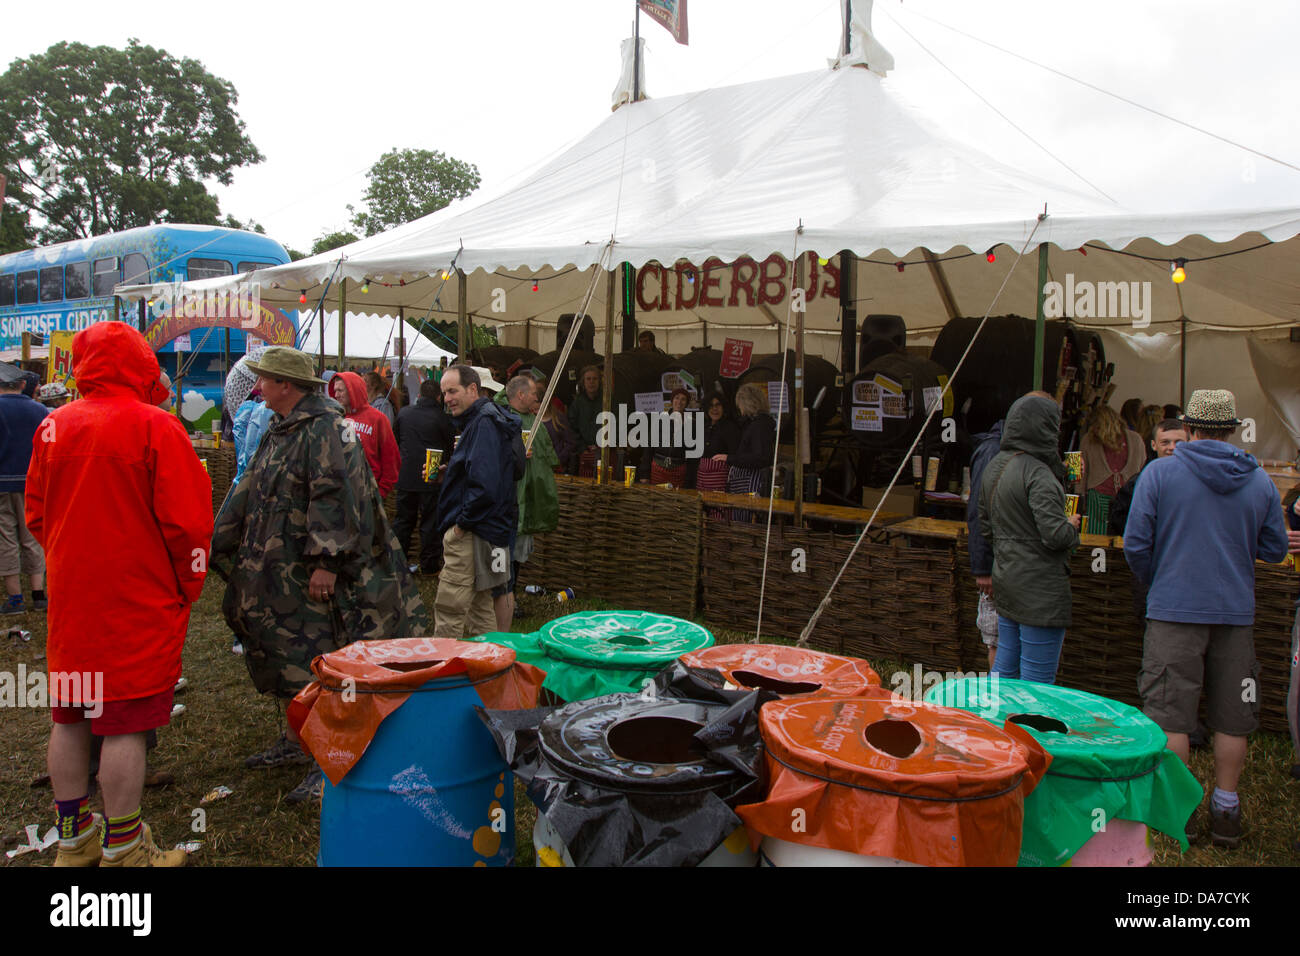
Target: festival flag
x: 670, y: 13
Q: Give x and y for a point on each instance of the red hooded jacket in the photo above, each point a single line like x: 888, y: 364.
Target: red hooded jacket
x: 375, y: 432
x: 123, y: 508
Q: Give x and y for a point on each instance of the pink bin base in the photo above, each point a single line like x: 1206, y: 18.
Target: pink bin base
x: 1122, y: 843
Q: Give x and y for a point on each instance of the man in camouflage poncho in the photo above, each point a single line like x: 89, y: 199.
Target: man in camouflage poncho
x: 310, y: 560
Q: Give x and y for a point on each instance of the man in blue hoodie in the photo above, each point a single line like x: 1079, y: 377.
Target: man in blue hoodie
x: 1199, y: 521
x: 477, y: 509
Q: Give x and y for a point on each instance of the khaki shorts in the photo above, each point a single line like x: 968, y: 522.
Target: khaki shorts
x: 19, y: 551
x: 1178, y: 658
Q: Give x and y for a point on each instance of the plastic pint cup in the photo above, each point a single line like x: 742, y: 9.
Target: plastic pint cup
x: 432, y: 461
x: 1074, y: 466
x: 1071, y: 505
x: 629, y: 476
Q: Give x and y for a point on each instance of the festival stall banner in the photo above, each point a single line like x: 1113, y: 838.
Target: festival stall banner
x: 214, y: 312
x: 59, y: 367
x: 670, y: 14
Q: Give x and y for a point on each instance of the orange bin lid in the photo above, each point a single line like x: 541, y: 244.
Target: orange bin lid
x: 883, y: 776
x: 790, y: 671
x: 357, y: 686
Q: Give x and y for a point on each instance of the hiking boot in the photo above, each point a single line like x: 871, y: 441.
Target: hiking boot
x: 158, y: 778
x: 40, y: 604
x: 1193, y: 828
x: 283, y: 753
x: 1225, y: 827
x: 85, y: 850
x: 311, y: 788
x: 143, y: 853
x: 13, y: 605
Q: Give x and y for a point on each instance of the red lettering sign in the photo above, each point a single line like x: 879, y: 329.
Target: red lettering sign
x: 736, y: 356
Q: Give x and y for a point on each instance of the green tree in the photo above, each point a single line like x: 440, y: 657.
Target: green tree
x: 333, y: 240
x: 100, y: 139
x: 16, y: 233
x: 409, y: 183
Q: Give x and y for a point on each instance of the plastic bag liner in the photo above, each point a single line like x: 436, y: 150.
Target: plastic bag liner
x: 359, y: 685
x: 881, y: 776
x: 1106, y: 755
x: 605, y: 652
x: 789, y: 671
x: 623, y: 779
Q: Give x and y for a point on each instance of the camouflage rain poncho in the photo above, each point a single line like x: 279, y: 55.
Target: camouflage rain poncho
x: 307, y: 501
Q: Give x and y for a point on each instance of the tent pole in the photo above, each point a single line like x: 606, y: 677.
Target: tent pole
x: 796, y: 406
x: 320, y: 331
x: 401, y: 340
x: 704, y: 325
x: 462, y: 318
x: 528, y: 333
x: 848, y: 310
x: 1182, y: 361
x: 607, y: 376
x: 940, y: 283
x: 1040, y: 318
x: 630, y: 329
x: 343, y: 322
x: 636, y: 54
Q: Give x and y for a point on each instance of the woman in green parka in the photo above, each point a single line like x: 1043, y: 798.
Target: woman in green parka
x: 1022, y: 514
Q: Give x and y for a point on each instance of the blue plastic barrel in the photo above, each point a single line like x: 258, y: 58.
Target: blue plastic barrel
x: 430, y: 790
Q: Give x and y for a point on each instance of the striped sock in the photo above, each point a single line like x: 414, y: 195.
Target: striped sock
x: 121, y: 831
x: 74, y: 817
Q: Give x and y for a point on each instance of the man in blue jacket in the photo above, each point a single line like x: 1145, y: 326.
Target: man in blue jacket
x: 1199, y: 521
x: 20, y: 417
x: 476, y: 507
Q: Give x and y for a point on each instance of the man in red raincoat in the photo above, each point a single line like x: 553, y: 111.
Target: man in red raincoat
x: 123, y: 508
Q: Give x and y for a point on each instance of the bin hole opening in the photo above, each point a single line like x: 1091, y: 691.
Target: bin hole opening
x: 410, y: 665
x: 655, y: 740
x: 629, y: 640
x: 1042, y: 722
x: 898, y: 738
x: 765, y: 682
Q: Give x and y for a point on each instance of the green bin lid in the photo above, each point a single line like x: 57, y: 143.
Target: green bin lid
x: 622, y: 640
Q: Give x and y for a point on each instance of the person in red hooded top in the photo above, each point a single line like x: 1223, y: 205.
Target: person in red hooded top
x: 376, y: 434
x: 123, y: 508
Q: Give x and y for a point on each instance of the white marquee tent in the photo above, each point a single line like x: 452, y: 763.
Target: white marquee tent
x: 705, y: 194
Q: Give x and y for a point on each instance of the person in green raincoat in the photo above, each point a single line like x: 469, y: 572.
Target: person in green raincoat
x: 539, y: 502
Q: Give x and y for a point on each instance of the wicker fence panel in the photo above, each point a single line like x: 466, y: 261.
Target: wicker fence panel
x: 894, y: 602
x: 221, y: 471
x: 637, y: 548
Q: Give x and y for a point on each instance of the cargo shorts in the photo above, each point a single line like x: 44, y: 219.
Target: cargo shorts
x: 1179, y: 658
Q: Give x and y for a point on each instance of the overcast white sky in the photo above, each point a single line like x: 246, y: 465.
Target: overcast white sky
x: 324, y: 89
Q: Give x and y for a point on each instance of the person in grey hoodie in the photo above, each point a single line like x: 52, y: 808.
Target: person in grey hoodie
x: 1200, y: 520
x: 1022, y: 514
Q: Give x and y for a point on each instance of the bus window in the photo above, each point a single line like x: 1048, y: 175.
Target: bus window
x: 76, y: 280
x: 135, y: 269
x: 106, y: 276
x: 27, y: 288
x: 51, y: 284
x: 6, y: 291
x: 250, y: 266
x: 207, y: 269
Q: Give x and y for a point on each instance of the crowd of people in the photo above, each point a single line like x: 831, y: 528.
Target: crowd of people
x: 310, y: 561
x: 1195, y: 513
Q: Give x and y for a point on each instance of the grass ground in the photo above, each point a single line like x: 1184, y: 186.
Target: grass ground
x: 225, y: 720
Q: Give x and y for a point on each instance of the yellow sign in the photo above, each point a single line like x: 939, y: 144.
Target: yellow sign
x: 59, y: 366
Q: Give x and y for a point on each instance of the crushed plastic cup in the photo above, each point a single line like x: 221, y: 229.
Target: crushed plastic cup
x: 1071, y: 505
x: 215, y: 794
x: 629, y: 476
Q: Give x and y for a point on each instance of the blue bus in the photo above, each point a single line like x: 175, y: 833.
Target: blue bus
x: 69, y: 286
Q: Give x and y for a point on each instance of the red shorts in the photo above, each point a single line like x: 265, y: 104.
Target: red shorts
x: 121, y: 716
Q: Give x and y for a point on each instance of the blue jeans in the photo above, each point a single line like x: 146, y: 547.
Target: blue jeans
x: 1026, y: 652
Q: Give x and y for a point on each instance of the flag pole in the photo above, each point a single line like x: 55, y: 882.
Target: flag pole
x: 636, y: 54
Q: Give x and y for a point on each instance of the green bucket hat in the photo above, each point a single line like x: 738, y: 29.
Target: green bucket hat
x: 280, y: 361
